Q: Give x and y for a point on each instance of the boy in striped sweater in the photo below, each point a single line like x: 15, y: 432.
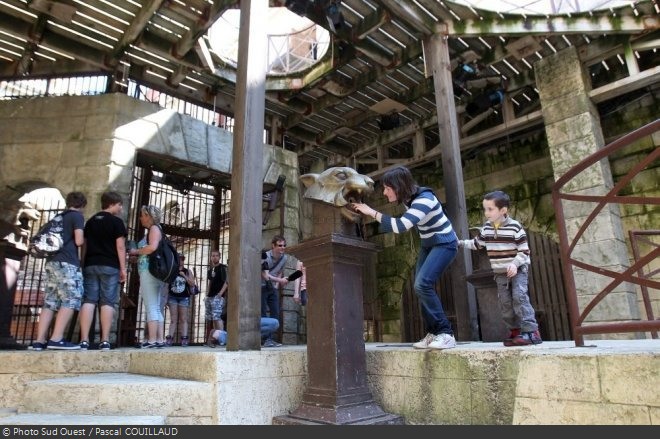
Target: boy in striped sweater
x: 506, y: 244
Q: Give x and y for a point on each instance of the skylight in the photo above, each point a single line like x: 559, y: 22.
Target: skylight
x: 294, y: 42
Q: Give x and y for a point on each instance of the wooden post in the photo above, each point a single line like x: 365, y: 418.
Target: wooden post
x: 436, y: 53
x: 244, y: 311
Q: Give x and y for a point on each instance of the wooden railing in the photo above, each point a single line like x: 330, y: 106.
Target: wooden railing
x: 633, y: 274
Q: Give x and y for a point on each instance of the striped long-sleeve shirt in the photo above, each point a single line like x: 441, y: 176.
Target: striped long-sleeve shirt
x: 505, y: 244
x: 425, y: 212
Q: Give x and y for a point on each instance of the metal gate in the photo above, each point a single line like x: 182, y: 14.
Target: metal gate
x: 196, y: 220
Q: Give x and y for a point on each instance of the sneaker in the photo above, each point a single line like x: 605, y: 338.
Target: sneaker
x: 62, y: 345
x: 185, y: 341
x: 169, y: 340
x: 443, y: 341
x: 105, y: 346
x: 424, y: 343
x: 148, y: 345
x: 38, y: 346
x: 515, y: 332
x: 210, y: 341
x: 160, y: 344
x: 527, y: 338
x: 270, y: 343
x: 84, y: 345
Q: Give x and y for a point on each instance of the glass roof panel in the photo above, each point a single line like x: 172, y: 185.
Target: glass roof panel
x: 543, y: 7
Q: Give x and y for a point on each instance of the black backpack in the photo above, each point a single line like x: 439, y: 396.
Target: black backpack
x: 164, y: 262
x: 49, y: 240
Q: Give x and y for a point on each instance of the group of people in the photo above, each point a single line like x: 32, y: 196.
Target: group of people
x: 102, y: 238
x: 178, y: 293
x: 503, y: 237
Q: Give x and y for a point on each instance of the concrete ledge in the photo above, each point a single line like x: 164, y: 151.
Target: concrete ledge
x: 615, y: 382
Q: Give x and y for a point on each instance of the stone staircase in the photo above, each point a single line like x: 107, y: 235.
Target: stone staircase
x: 107, y: 397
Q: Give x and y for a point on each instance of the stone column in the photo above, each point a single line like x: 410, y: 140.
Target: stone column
x: 572, y: 125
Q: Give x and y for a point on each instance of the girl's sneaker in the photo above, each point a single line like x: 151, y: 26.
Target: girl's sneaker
x: 169, y: 340
x: 185, y: 341
x: 147, y: 345
x: 105, y: 346
x: 84, y: 345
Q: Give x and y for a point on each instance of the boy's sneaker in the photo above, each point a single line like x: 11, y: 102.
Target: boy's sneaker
x: 185, y: 341
x: 105, y: 346
x: 515, y: 332
x: 84, y: 345
x: 424, y: 343
x: 38, y: 346
x: 443, y: 341
x: 169, y: 340
x: 62, y: 345
x: 147, y: 345
x: 528, y: 338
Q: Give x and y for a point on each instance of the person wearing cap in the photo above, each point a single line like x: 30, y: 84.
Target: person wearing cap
x: 178, y: 302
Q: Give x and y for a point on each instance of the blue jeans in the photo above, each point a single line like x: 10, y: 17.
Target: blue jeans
x: 270, y: 302
x: 101, y: 285
x: 267, y: 326
x: 431, y: 263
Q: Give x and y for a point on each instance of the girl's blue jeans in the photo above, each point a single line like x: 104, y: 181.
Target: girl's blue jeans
x: 431, y: 263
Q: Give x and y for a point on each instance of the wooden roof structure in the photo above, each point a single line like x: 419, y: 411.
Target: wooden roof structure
x: 337, y: 109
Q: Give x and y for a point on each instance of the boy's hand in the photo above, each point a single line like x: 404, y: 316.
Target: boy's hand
x: 511, y: 270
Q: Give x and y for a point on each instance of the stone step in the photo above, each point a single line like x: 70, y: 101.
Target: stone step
x: 96, y: 420
x: 111, y: 394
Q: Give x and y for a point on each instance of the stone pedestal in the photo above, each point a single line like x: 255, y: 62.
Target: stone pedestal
x: 491, y: 325
x: 337, y: 391
x: 10, y: 259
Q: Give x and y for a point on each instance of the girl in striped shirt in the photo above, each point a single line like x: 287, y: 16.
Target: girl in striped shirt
x: 439, y: 247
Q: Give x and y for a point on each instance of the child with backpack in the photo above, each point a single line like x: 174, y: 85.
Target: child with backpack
x: 64, y: 281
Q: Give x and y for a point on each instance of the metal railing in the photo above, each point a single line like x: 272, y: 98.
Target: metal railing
x: 634, y: 273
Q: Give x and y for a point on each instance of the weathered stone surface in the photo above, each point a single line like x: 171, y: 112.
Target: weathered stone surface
x: 554, y: 378
x: 615, y: 307
x: 116, y: 394
x: 530, y: 411
x: 638, y: 386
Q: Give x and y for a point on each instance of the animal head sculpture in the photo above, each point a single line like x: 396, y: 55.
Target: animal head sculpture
x: 338, y: 186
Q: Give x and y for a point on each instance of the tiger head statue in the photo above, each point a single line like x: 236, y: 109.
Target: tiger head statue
x: 338, y: 186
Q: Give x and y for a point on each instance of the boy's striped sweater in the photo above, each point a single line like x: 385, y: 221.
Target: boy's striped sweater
x: 505, y: 244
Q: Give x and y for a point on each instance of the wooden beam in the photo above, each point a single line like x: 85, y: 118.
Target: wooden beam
x: 411, y: 15
x: 197, y: 31
x: 133, y: 32
x: 532, y: 25
x: 626, y: 85
x: 245, y: 241
x: 436, y: 52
